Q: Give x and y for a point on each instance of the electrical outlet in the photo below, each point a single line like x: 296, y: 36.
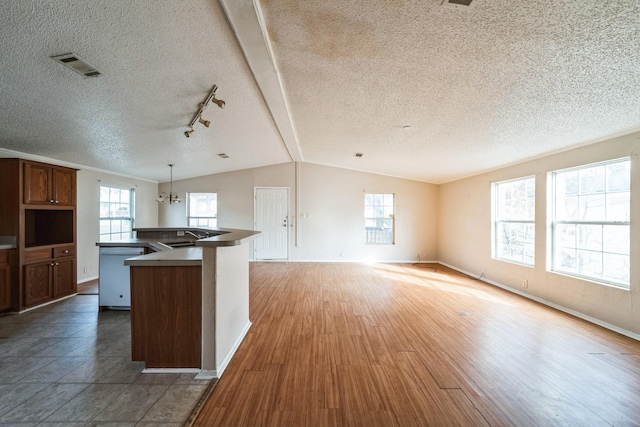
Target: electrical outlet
x: 525, y: 283
x: 86, y: 270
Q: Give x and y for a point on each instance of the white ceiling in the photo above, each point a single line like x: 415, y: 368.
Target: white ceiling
x: 492, y: 85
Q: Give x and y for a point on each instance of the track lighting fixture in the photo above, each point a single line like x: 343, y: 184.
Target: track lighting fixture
x: 218, y: 102
x: 171, y: 197
x: 198, y: 116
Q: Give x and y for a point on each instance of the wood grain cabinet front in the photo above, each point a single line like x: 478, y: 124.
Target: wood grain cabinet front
x: 49, y: 185
x: 5, y: 281
x: 63, y: 277
x: 37, y: 283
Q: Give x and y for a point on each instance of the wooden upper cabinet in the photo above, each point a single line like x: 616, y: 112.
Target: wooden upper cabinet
x: 37, y: 184
x: 49, y: 185
x: 64, y: 187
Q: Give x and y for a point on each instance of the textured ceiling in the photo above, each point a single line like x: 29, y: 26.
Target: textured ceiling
x: 496, y: 84
x: 160, y: 59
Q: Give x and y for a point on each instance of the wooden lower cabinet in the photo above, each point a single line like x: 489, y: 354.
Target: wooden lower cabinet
x: 37, y: 284
x: 5, y: 287
x: 63, y: 278
x: 5, y: 280
x: 47, y: 280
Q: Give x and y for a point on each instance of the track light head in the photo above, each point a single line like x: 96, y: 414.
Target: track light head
x: 206, y: 123
x: 218, y: 102
x: 189, y: 133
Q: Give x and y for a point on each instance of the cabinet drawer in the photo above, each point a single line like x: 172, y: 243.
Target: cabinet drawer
x: 63, y: 251
x: 4, y: 257
x: 37, y: 255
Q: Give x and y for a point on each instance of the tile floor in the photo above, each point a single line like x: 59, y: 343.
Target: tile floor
x: 66, y: 364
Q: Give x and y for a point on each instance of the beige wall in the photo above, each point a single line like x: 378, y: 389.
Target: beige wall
x: 88, y: 211
x: 334, y: 197
x: 464, y: 236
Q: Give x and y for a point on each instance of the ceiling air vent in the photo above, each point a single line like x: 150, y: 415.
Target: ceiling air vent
x: 459, y: 4
x: 223, y: 155
x: 77, y: 64
x: 358, y: 155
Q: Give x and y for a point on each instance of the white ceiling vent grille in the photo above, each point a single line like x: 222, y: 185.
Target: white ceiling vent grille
x: 77, y: 64
x: 459, y: 4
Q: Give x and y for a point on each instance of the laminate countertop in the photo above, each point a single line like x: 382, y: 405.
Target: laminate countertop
x: 164, y: 255
x: 7, y: 242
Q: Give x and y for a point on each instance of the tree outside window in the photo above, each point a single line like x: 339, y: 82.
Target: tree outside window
x: 514, y: 220
x: 591, y: 222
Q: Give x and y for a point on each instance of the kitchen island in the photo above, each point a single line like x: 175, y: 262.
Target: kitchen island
x: 190, y: 306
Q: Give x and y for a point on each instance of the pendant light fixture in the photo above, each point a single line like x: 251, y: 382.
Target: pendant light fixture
x: 172, y: 197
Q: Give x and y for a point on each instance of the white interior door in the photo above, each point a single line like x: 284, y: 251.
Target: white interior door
x: 271, y: 217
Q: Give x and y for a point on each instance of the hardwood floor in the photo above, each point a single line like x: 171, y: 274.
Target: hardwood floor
x: 398, y: 345
x: 88, y: 288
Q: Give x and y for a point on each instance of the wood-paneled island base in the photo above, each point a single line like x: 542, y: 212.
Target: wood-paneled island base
x: 190, y: 306
x: 166, y: 316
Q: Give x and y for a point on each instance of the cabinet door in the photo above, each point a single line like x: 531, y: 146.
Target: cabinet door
x: 63, y: 283
x: 37, y: 184
x: 37, y: 284
x: 5, y: 287
x: 64, y: 189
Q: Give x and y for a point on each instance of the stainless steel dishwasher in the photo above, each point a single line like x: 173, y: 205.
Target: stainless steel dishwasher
x: 114, y: 283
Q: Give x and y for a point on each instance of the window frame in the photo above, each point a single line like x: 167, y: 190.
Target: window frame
x: 392, y: 218
x: 208, y: 218
x: 131, y: 217
x: 496, y: 221
x: 554, y: 248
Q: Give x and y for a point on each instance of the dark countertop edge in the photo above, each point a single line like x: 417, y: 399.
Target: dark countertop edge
x: 134, y: 243
x: 231, y: 237
x: 4, y: 247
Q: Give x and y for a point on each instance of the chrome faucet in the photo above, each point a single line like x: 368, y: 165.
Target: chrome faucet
x: 197, y: 236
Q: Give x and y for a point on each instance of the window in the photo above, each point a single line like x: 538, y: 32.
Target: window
x: 590, y: 226
x: 203, y: 210
x: 116, y: 213
x: 514, y: 220
x: 378, y: 219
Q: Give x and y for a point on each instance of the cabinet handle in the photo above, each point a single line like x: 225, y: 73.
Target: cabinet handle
x: 57, y: 263
x: 65, y: 252
x: 52, y: 201
x: 57, y: 202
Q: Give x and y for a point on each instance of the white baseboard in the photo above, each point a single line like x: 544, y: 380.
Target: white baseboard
x: 171, y: 371
x: 575, y: 313
x: 89, y: 279
x: 44, y: 304
x: 227, y: 358
x: 207, y: 375
x: 347, y: 260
